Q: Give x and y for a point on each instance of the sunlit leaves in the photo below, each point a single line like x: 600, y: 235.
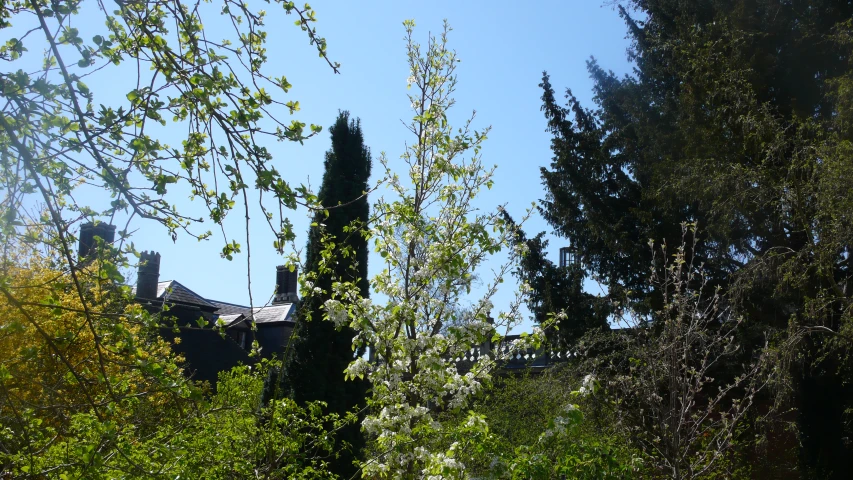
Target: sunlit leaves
x: 184, y: 78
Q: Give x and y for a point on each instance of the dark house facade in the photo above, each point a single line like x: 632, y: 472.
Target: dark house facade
x: 193, y: 323
x: 196, y: 322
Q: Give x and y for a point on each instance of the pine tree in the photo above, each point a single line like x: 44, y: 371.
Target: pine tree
x: 314, y: 364
x: 735, y: 118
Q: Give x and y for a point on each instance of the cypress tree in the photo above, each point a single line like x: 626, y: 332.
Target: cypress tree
x: 314, y: 364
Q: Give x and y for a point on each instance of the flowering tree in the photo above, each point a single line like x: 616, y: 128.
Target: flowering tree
x: 433, y: 240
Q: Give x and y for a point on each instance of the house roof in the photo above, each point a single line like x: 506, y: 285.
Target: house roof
x: 232, y: 319
x: 268, y: 314
x: 227, y: 309
x: 233, y: 314
x: 174, y: 291
x: 230, y: 313
x: 273, y: 313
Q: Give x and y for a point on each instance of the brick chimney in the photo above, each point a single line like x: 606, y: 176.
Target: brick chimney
x: 88, y: 232
x: 286, y: 285
x: 148, y: 275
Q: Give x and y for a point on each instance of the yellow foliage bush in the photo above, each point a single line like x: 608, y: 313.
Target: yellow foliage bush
x: 77, y: 343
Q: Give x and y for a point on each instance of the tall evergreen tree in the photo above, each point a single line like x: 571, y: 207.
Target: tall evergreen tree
x: 736, y: 117
x: 319, y: 352
x: 558, y: 289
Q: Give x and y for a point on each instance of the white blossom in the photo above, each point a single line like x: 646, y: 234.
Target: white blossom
x: 587, y: 385
x: 337, y: 312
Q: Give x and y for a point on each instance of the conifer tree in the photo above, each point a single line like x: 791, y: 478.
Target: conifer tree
x: 557, y: 298
x: 319, y: 352
x: 736, y: 119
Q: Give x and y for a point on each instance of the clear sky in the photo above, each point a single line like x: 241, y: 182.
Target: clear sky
x: 504, y: 47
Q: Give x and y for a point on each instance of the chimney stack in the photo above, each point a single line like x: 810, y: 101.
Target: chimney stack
x: 286, y: 285
x: 148, y: 275
x: 486, y: 346
x: 88, y: 232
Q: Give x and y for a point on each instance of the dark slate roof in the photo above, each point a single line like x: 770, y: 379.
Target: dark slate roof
x: 233, y: 314
x: 226, y: 308
x: 174, y: 291
x: 273, y: 313
x: 232, y: 319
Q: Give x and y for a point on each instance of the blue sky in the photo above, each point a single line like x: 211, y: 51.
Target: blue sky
x: 504, y: 47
